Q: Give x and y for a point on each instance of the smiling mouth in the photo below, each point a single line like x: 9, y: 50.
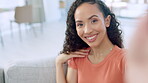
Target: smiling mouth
x: 91, y: 38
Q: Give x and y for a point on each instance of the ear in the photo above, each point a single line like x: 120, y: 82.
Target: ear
x: 107, y: 21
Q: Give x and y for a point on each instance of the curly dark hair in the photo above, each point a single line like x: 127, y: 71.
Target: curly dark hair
x: 73, y: 42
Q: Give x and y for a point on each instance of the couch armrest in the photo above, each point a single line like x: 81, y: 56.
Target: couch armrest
x: 28, y: 71
x: 1, y: 75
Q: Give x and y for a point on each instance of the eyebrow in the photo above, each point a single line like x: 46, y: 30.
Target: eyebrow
x: 92, y: 16
x: 78, y: 21
x: 88, y: 18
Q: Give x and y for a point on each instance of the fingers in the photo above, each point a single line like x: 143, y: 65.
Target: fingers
x: 79, y: 53
x: 71, y: 56
x: 85, y: 50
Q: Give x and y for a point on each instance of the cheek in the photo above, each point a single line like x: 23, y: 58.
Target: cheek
x: 100, y: 28
x: 79, y: 32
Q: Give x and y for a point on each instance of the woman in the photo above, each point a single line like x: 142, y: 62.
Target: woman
x: 92, y: 46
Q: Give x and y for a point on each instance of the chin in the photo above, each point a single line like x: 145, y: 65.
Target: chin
x: 93, y: 45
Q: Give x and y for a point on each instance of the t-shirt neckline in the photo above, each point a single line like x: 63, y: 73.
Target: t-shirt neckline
x: 103, y: 61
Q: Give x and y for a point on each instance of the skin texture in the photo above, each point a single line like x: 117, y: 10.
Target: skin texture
x: 89, y: 23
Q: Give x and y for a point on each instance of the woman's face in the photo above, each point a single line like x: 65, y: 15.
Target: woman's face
x: 90, y: 24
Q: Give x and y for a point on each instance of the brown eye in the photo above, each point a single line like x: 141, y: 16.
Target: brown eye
x: 79, y: 25
x: 94, y: 21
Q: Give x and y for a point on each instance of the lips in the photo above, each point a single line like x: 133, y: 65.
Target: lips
x: 91, y: 38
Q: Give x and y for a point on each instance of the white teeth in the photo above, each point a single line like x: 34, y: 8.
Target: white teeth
x: 91, y: 37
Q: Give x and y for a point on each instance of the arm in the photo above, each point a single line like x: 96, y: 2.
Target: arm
x: 71, y: 73
x: 60, y: 76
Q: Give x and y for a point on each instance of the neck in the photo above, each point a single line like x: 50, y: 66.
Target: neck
x: 103, y: 49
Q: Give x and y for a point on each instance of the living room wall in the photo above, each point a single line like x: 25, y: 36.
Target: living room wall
x: 52, y: 11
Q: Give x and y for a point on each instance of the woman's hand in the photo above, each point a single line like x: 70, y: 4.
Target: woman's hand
x: 137, y: 58
x: 62, y: 58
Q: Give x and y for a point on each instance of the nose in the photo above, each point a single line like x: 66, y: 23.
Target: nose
x: 88, y: 29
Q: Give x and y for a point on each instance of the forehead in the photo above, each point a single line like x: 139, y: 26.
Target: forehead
x: 86, y: 10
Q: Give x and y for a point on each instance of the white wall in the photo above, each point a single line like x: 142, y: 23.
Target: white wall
x: 52, y: 11
x: 11, y: 3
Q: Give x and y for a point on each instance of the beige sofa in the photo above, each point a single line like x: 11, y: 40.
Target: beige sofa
x: 30, y: 71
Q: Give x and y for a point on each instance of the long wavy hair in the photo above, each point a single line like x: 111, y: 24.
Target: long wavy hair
x: 73, y: 42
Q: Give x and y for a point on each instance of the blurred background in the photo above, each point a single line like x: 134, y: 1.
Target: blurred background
x: 36, y: 28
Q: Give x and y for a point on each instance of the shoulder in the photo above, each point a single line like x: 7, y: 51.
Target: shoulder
x: 120, y: 58
x: 76, y: 61
x: 79, y: 61
x: 120, y: 52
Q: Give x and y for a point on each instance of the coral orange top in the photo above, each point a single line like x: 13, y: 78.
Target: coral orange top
x: 110, y: 70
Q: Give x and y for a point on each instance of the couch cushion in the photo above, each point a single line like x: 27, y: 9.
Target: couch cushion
x: 31, y: 71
